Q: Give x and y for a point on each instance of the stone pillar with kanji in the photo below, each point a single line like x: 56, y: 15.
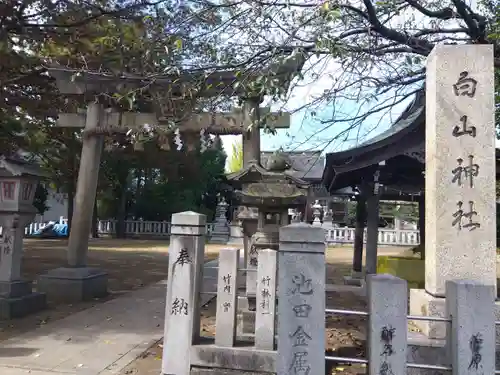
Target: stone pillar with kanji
x: 460, y: 189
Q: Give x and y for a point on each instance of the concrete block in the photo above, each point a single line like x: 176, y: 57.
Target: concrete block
x: 218, y: 371
x: 17, y: 307
x: 74, y: 284
x: 423, y: 304
x: 354, y: 280
x: 423, y: 350
x: 13, y: 289
x: 246, y: 358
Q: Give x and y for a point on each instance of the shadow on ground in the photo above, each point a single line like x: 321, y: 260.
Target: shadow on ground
x: 16, y: 352
x: 131, y: 265
x: 345, y: 335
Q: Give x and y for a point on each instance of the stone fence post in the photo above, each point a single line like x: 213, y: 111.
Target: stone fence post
x: 301, y: 291
x: 265, y: 318
x: 185, y: 273
x: 227, y: 294
x: 471, y: 339
x: 388, y: 324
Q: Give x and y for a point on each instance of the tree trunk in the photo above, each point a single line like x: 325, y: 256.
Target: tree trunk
x: 95, y: 223
x: 122, y: 206
x: 138, y: 175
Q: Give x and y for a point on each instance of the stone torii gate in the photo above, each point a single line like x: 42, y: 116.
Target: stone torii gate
x: 223, y: 123
x: 77, y: 281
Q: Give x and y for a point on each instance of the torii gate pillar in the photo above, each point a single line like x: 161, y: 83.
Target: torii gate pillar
x: 76, y: 281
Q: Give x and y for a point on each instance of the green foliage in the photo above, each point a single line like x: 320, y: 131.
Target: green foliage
x: 193, y: 188
x: 11, y: 138
x: 153, y: 184
x: 408, y: 212
x: 236, y: 160
x: 58, y: 152
x: 40, y: 200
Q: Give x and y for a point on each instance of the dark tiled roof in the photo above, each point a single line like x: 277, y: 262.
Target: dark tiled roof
x: 17, y: 166
x: 307, y: 165
x: 407, y: 118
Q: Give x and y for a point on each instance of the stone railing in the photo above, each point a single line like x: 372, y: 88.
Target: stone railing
x: 142, y: 228
x: 132, y: 227
x: 385, y: 236
x: 138, y: 227
x: 162, y: 229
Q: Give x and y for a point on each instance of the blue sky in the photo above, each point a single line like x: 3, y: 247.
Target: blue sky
x: 308, y: 132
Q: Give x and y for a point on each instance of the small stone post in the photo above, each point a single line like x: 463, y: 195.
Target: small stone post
x: 183, y: 291
x: 301, y: 292
x: 471, y: 337
x: 265, y: 319
x: 388, y: 324
x: 227, y: 292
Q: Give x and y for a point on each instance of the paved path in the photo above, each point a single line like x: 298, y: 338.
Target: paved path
x: 101, y: 340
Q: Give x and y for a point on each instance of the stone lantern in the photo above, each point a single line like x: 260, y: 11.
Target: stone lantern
x: 18, y: 183
x: 317, y: 210
x: 272, y: 190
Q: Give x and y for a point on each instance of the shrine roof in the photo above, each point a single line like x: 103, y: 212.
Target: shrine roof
x: 407, y: 133
x: 18, y: 167
x: 306, y: 165
x: 401, y: 147
x: 256, y: 173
